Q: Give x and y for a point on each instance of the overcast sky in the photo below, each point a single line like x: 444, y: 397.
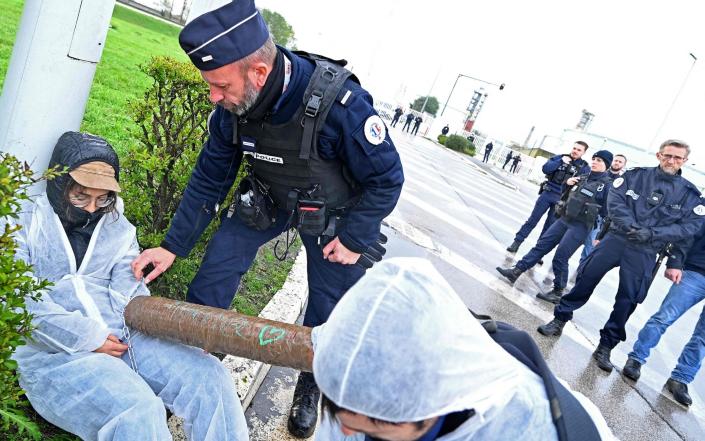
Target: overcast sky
x: 623, y: 60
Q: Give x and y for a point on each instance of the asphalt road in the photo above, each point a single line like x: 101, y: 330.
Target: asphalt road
x: 461, y: 214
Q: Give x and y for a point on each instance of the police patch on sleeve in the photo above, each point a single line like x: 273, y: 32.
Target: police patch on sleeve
x: 375, y: 130
x: 699, y: 210
x: 618, y: 182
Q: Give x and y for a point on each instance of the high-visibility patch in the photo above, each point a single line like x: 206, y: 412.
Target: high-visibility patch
x: 618, y: 182
x: 375, y: 130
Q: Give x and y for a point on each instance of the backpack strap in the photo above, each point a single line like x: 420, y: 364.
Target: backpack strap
x: 322, y: 91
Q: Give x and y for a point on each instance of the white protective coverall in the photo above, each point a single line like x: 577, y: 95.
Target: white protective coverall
x: 98, y: 396
x: 402, y: 347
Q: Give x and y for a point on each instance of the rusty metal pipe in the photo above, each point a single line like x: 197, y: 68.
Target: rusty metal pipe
x: 219, y: 330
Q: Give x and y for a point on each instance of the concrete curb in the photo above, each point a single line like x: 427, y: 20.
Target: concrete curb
x: 285, y: 306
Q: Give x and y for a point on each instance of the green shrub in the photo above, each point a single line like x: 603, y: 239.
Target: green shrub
x: 16, y: 284
x: 171, y: 129
x: 442, y: 139
x: 457, y: 143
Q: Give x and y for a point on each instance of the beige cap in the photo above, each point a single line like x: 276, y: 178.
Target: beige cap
x: 96, y: 174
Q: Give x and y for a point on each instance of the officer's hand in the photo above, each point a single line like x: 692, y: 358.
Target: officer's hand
x: 595, y: 242
x: 337, y: 252
x: 639, y: 235
x: 566, y: 159
x: 674, y: 275
x: 373, y: 253
x: 160, y: 257
x: 572, y: 181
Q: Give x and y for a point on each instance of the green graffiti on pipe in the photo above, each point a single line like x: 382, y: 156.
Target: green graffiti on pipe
x: 269, y: 334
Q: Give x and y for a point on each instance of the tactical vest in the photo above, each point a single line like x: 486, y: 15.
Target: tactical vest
x: 285, y: 156
x: 581, y: 202
x: 562, y: 173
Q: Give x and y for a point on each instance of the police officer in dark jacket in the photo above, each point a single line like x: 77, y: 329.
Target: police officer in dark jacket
x: 557, y: 169
x: 407, y: 123
x: 397, y: 114
x: 488, y: 152
x: 649, y: 208
x: 317, y: 157
x: 584, y: 200
x: 507, y: 159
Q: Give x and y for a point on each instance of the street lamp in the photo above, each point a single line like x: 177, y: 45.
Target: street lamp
x: 501, y: 87
x: 668, y: 112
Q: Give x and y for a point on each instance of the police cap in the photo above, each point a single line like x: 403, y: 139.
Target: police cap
x: 224, y: 35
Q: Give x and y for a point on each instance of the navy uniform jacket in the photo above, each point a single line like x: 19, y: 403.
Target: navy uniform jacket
x: 675, y: 218
x: 552, y: 165
x: 690, y: 254
x: 377, y: 168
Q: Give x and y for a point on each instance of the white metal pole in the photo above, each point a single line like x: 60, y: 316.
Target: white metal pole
x: 57, y: 48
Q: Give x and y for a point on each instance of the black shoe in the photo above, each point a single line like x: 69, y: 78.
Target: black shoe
x: 540, y: 262
x: 602, y: 356
x: 553, y: 296
x: 512, y: 274
x: 679, y: 391
x: 632, y: 369
x: 552, y: 328
x: 514, y: 247
x: 304, y: 408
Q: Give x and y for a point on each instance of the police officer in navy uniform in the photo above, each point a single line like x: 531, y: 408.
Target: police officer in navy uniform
x: 584, y: 200
x: 649, y: 208
x: 557, y: 169
x: 317, y: 157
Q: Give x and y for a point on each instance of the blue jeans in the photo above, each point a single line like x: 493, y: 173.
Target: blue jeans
x: 588, y: 247
x: 679, y: 299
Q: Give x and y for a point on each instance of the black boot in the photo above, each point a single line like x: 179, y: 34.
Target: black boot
x: 552, y: 328
x: 512, y: 274
x: 632, y: 369
x: 679, y: 391
x: 553, y: 296
x: 514, y: 247
x: 602, y: 356
x: 304, y: 408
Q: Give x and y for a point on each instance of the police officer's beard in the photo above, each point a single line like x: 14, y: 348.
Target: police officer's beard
x: 251, y: 94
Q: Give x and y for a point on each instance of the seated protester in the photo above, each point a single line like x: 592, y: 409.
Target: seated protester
x: 583, y: 202
x: 401, y: 359
x: 83, y: 370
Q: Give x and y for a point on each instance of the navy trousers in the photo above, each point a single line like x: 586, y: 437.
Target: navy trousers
x: 545, y: 203
x: 568, y: 236
x: 486, y: 157
x: 233, y: 248
x: 635, y: 268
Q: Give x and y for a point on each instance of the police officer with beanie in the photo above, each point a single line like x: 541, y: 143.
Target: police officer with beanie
x: 557, y: 169
x: 649, y: 208
x: 584, y: 200
x: 316, y: 157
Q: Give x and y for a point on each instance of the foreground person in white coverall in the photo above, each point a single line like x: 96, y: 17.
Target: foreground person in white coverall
x: 83, y: 370
x: 402, y: 359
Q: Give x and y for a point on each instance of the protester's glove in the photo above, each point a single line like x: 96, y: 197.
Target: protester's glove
x: 639, y: 235
x: 373, y: 254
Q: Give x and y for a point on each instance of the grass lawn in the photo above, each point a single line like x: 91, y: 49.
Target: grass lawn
x: 132, y: 40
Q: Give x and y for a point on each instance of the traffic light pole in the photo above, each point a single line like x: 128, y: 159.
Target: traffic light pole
x: 501, y: 87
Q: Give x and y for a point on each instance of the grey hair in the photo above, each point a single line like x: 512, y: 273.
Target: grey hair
x: 266, y: 53
x: 675, y: 143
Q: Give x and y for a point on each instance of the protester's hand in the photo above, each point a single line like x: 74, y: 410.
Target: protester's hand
x: 337, y: 252
x: 639, y: 235
x: 112, y: 346
x: 566, y: 159
x: 572, y: 181
x: 674, y: 275
x: 160, y: 257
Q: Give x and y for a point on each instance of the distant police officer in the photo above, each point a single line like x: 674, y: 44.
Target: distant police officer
x: 397, y: 114
x: 585, y: 199
x: 317, y: 158
x: 557, y: 169
x: 649, y: 208
x: 507, y: 159
x: 488, y: 152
